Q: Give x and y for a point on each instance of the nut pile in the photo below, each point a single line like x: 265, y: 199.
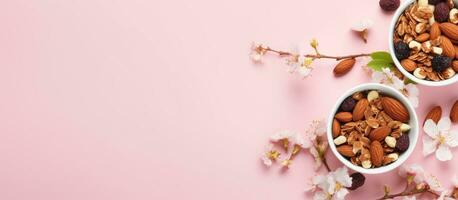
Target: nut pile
x: 370, y: 129
x: 426, y: 39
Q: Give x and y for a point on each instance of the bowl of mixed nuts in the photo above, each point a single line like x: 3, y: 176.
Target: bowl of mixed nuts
x: 423, y: 41
x: 372, y: 128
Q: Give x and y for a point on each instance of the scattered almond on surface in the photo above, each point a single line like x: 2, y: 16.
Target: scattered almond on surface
x: 454, y: 112
x: 344, y: 66
x: 435, y: 114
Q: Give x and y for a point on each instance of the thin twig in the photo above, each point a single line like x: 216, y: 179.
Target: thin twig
x: 316, y: 56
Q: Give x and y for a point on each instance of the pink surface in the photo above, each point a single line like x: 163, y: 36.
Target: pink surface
x: 157, y: 99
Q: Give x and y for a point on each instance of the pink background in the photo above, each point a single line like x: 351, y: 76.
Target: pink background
x: 141, y: 99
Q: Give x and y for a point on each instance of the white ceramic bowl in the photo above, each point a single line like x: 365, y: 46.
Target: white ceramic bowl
x: 391, y: 31
x: 413, y: 133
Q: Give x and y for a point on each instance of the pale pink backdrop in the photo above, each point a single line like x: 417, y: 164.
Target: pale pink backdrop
x: 140, y: 99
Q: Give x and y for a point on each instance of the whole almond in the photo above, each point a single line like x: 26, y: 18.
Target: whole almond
x: 455, y: 65
x: 344, y: 116
x: 456, y: 51
x: 380, y: 133
x: 447, y: 47
x: 376, y: 151
x: 422, y: 37
x: 435, y: 31
x: 435, y: 114
x: 450, y: 30
x: 360, y: 107
x: 454, y: 112
x: 335, y: 128
x: 344, y: 66
x: 409, y: 65
x: 395, y: 109
x: 346, y: 150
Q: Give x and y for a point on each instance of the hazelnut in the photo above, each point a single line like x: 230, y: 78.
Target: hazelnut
x: 437, y: 50
x: 390, y: 141
x: 422, y: 2
x: 419, y: 73
x: 340, y: 140
x: 366, y: 164
x: 393, y: 156
x: 372, y: 95
x: 453, y: 16
x: 404, y: 127
x: 414, y: 45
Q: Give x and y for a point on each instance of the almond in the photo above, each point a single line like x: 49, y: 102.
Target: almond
x: 435, y: 114
x: 360, y: 107
x: 380, y: 133
x: 344, y: 66
x: 435, y: 31
x: 395, y: 109
x: 346, y: 150
x: 454, y: 112
x: 422, y: 37
x: 455, y: 65
x: 335, y: 128
x: 409, y: 65
x: 456, y: 51
x: 376, y: 151
x: 450, y: 30
x: 344, y: 116
x: 447, y: 47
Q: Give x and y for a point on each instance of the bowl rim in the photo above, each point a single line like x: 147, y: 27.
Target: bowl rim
x: 413, y: 134
x: 397, y: 63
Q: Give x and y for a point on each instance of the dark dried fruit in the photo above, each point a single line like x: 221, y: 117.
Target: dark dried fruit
x: 389, y: 5
x: 441, y: 12
x: 348, y: 104
x: 440, y: 63
x: 434, y: 2
x: 403, y: 143
x: 401, y: 50
x: 357, y: 180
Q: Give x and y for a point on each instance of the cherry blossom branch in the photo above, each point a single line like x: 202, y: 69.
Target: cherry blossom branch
x: 325, y: 163
x: 314, y: 56
x: 409, y: 192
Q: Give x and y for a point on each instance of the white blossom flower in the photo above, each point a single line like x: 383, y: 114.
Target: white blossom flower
x: 455, y: 181
x: 411, y: 92
x: 409, y: 198
x: 270, y: 155
x: 333, y: 185
x: 361, y: 27
x: 443, y: 195
x: 315, y: 129
x: 441, y: 139
x: 413, y: 170
x: 317, y: 157
x: 284, y: 134
x: 300, y: 65
x: 388, y: 78
x: 433, y: 183
x: 257, y: 52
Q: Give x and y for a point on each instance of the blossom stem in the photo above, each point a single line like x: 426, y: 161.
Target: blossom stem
x: 407, y: 192
x: 317, y: 55
x: 325, y: 163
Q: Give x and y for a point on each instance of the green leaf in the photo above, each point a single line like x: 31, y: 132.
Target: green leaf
x: 378, y: 65
x: 380, y: 59
x: 381, y: 55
